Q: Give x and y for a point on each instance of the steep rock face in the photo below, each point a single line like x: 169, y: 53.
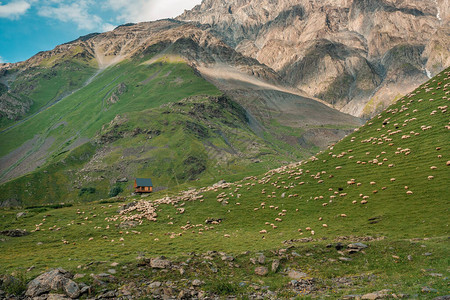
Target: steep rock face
x: 335, y: 50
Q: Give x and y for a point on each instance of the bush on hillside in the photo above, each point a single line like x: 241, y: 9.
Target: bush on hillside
x: 115, y: 190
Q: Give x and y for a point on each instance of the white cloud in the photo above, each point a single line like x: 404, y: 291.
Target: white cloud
x: 149, y: 10
x: 2, y: 60
x: 14, y: 9
x: 76, y: 12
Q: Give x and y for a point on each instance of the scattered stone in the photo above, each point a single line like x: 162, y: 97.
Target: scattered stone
x: 57, y: 297
x: 261, y: 259
x: 197, y: 282
x: 428, y: 254
x: 297, y: 275
x: 114, y: 264
x: 78, y: 276
x: 21, y: 214
x: 410, y: 258
x: 227, y: 258
x: 124, y: 179
x: 275, y: 265
x: 155, y: 285
x: 376, y: 295
x: 352, y: 297
x: 261, y: 271
x: 357, y: 246
x: 160, y: 263
x: 345, y: 259
x: 427, y: 289
x: 108, y: 294
x: 112, y: 271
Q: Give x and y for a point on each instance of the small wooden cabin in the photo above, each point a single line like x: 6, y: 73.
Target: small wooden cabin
x: 143, y: 185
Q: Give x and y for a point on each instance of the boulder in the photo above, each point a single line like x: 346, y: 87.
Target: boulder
x: 124, y: 179
x: 261, y: 271
x: 297, y: 275
x: 275, y: 265
x: 197, y: 282
x: 357, y: 246
x: 261, y: 259
x: 21, y: 214
x: 54, y: 280
x: 160, y: 263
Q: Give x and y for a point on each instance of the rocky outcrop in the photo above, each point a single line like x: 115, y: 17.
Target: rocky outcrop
x: 336, y: 50
x: 55, y: 280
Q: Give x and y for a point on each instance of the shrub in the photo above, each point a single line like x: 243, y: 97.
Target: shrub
x: 89, y: 190
x: 115, y: 190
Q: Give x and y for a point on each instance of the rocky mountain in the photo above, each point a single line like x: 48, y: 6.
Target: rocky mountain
x: 357, y: 55
x: 290, y: 65
x: 77, y: 93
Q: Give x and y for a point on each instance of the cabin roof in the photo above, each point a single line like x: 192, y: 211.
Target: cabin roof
x: 144, y: 182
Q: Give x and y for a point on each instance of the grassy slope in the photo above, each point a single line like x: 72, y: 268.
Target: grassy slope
x: 53, y: 79
x: 88, y: 106
x: 224, y: 150
x: 409, y: 224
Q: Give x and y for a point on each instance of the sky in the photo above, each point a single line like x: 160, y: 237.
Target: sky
x: 30, y: 26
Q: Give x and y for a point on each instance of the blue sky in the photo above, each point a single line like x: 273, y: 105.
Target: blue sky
x: 30, y: 26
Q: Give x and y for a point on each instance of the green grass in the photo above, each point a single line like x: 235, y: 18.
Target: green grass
x: 46, y: 84
x: 201, y: 138
x: 401, y: 224
x: 88, y: 105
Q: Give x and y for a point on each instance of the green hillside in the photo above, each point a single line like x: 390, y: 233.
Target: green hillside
x: 45, y: 83
x: 156, y: 119
x: 385, y: 185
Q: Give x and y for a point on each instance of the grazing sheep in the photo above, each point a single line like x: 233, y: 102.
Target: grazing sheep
x: 409, y: 192
x: 364, y: 202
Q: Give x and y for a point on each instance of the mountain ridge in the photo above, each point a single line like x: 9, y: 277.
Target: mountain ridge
x: 282, y: 36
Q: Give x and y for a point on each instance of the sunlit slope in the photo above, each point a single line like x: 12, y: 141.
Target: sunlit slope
x: 384, y: 185
x: 45, y: 79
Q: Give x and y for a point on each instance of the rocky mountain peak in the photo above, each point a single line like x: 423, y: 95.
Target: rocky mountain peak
x: 344, y: 52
